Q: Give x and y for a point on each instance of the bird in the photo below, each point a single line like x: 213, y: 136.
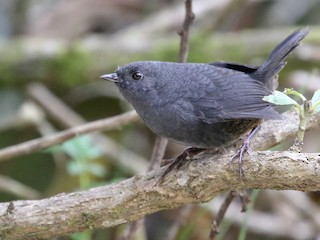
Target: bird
x: 203, y: 105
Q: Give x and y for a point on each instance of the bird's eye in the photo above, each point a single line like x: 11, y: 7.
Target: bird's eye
x: 137, y: 75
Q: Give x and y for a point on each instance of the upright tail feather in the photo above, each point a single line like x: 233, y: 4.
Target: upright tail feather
x: 275, y: 61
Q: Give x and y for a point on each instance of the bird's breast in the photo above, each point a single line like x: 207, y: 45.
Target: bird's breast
x: 187, y: 129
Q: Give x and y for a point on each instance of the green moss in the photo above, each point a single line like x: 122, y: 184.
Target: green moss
x: 68, y: 68
x: 89, y: 220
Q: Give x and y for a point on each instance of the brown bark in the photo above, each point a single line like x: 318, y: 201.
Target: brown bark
x: 196, y: 182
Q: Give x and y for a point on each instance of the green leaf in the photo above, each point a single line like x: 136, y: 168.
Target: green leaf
x: 81, y: 148
x: 279, y: 98
x: 315, y: 101
x: 96, y: 169
x: 76, y: 169
x: 317, y: 109
x: 316, y: 97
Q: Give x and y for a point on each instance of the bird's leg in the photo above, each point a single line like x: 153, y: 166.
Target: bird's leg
x: 180, y: 160
x: 244, y: 148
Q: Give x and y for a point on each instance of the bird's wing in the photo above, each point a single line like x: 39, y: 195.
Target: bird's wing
x: 225, y: 94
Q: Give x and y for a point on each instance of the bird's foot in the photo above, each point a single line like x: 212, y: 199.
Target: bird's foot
x: 178, y: 161
x: 245, y: 148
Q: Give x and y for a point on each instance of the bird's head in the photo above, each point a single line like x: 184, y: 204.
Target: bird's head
x: 141, y: 81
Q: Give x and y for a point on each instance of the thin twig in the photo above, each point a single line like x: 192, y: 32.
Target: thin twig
x: 16, y: 188
x: 223, y: 209
x: 274, y: 225
x: 158, y: 152
x: 45, y: 142
x: 220, y: 215
x: 244, y: 199
x: 184, y: 32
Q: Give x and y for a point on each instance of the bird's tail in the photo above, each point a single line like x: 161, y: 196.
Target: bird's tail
x: 275, y: 62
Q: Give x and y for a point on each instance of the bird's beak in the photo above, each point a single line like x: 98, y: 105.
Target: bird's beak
x: 113, y: 77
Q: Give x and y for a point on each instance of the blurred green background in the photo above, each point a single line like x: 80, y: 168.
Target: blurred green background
x: 52, y: 54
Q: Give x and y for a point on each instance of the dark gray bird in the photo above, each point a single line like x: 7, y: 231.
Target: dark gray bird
x: 203, y: 105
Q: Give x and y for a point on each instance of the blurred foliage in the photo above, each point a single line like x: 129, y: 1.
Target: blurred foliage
x: 82, y: 163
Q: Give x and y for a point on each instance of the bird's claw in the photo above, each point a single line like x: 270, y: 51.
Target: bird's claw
x: 178, y: 162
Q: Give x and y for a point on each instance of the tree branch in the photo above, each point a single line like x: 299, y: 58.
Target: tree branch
x: 196, y: 182
x: 184, y: 31
x: 44, y: 142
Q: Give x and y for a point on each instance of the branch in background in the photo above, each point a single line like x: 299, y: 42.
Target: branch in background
x: 279, y: 225
x: 220, y: 215
x: 57, y: 138
x: 16, y: 188
x: 184, y: 32
x: 69, y: 118
x: 196, y: 182
x: 158, y: 152
x: 51, y: 104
